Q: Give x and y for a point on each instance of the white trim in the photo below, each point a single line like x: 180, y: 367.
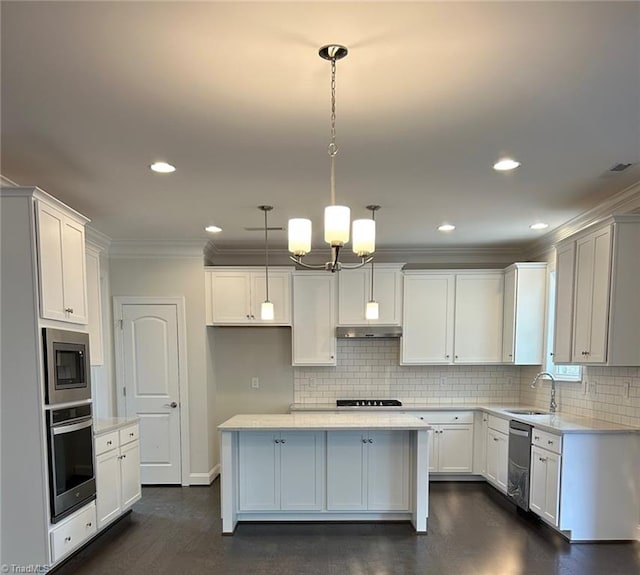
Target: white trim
x: 97, y: 238
x: 183, y: 379
x: 626, y: 201
x: 204, y: 478
x: 127, y: 249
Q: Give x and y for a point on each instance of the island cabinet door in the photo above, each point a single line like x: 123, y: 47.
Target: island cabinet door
x: 388, y: 471
x: 346, y: 470
x: 302, y: 456
x: 259, y: 470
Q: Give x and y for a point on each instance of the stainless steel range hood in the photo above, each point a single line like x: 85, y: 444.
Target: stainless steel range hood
x: 369, y: 331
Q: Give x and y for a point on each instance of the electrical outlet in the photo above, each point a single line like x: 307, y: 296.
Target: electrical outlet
x: 626, y: 390
x: 255, y: 383
x: 443, y: 381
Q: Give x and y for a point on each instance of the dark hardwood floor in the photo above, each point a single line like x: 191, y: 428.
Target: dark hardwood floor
x: 472, y: 531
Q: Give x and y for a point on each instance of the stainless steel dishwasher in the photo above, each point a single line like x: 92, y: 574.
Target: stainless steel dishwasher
x: 519, y: 463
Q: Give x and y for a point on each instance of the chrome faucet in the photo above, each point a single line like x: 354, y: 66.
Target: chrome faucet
x: 552, y: 405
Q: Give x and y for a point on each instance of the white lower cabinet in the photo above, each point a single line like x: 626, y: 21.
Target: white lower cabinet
x: 368, y: 470
x: 281, y: 471
x: 497, y: 464
x: 450, y: 441
x: 117, y: 473
x: 544, y: 489
x: 72, y: 532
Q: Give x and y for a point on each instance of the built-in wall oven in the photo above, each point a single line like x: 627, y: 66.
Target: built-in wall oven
x: 67, y: 366
x: 72, y: 481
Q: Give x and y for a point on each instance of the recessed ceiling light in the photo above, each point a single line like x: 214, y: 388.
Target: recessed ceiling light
x: 213, y: 229
x: 539, y: 226
x: 505, y: 164
x: 162, y: 167
x: 446, y: 227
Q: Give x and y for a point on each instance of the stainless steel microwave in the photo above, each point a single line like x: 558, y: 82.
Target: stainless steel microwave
x: 67, y: 366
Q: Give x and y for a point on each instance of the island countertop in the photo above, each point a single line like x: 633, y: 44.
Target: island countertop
x: 325, y: 421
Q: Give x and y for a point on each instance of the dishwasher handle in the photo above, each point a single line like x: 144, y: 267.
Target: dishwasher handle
x: 518, y: 432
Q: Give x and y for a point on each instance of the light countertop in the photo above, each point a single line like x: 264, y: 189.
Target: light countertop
x: 105, y: 424
x: 325, y: 421
x: 554, y: 423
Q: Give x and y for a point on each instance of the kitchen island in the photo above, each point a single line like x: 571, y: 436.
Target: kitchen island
x: 324, y: 467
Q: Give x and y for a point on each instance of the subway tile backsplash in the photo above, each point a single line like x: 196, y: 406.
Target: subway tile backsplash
x: 370, y: 369
x: 609, y: 393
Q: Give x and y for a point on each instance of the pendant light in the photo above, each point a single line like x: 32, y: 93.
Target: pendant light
x: 266, y: 309
x: 336, y: 217
x: 372, y: 310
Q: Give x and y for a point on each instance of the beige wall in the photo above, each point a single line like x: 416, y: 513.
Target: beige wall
x: 178, y: 276
x: 240, y: 353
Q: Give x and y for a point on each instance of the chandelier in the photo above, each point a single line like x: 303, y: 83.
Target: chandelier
x: 336, y: 217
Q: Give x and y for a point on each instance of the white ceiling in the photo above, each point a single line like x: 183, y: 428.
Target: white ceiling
x: 235, y: 95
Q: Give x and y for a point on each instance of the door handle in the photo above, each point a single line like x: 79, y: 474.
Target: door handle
x: 173, y: 404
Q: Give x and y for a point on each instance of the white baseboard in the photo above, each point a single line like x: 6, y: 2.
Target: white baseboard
x: 204, y: 478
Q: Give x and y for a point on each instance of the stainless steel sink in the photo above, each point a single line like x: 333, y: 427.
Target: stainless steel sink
x: 526, y: 412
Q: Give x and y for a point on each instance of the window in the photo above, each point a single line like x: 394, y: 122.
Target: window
x: 561, y: 372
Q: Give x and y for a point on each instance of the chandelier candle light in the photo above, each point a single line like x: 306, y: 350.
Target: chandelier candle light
x: 266, y: 309
x: 336, y: 218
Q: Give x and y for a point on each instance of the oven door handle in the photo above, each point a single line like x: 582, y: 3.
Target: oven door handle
x: 72, y: 427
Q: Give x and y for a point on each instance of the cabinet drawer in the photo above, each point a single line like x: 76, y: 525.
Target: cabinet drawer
x: 129, y: 434
x: 440, y: 417
x: 107, y: 442
x: 72, y: 533
x: 547, y: 440
x: 499, y: 424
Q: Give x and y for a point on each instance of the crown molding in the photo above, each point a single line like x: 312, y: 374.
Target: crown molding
x: 99, y: 240
x: 626, y: 201
x: 156, y: 249
x: 7, y: 183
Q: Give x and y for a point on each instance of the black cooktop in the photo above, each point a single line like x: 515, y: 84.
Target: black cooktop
x: 368, y: 403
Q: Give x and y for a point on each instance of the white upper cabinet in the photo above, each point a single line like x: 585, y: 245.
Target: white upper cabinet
x: 524, y: 313
x: 478, y: 318
x: 234, y: 295
x: 314, y: 318
x: 563, y: 325
x: 427, y: 324
x: 452, y: 317
x: 61, y: 264
x: 354, y: 288
x: 94, y: 306
x: 606, y: 282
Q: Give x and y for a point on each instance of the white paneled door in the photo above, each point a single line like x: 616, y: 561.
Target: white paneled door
x: 151, y: 374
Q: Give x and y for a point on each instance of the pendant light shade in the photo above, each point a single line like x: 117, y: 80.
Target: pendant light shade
x: 266, y: 311
x: 364, y: 237
x: 372, y: 311
x: 336, y: 225
x: 299, y: 236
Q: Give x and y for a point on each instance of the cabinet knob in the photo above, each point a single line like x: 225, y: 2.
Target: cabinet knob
x: 536, y: 437
x: 496, y: 439
x: 331, y: 357
x: 109, y: 442
x: 283, y: 441
x: 67, y: 539
x: 276, y: 441
x: 89, y: 524
x: 456, y: 417
x: 549, y: 442
x: 364, y: 441
x: 124, y: 456
x: 455, y: 356
x: 510, y: 355
x: 551, y: 353
x: 447, y: 356
x: 371, y: 441
x: 68, y: 309
x: 543, y: 459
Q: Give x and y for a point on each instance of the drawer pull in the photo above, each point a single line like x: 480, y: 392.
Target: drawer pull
x: 371, y: 441
x: 543, y: 459
x: 364, y: 441
x: 109, y: 442
x: 67, y: 539
x: 132, y: 434
x: 536, y: 437
x: 496, y: 439
x: 549, y: 442
x: 89, y: 524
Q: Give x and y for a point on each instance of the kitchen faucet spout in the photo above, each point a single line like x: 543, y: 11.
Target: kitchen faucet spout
x: 552, y: 405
